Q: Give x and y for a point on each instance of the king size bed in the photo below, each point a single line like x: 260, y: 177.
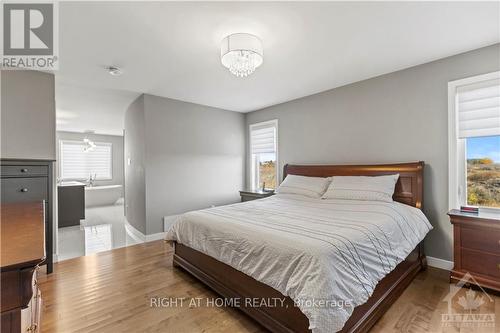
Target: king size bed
x: 315, y: 265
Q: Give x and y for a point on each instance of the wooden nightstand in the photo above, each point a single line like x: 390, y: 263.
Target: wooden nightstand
x: 476, y: 243
x: 248, y: 195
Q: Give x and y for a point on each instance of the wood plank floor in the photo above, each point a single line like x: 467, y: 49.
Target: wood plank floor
x: 111, y: 292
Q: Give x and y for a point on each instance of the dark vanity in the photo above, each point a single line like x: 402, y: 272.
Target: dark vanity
x: 70, y: 203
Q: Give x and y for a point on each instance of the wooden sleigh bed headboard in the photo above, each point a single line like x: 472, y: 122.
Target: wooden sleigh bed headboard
x: 409, y: 188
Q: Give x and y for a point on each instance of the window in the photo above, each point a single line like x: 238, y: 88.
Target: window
x: 77, y: 163
x: 474, y: 141
x: 264, y: 154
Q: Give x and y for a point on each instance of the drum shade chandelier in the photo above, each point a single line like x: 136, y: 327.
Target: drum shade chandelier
x: 241, y: 53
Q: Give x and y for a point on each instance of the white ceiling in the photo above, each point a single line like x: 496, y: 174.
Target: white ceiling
x: 172, y: 49
x: 81, y: 109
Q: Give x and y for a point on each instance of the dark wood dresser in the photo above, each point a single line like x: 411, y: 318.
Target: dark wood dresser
x: 22, y: 227
x: 30, y: 181
x: 476, y: 240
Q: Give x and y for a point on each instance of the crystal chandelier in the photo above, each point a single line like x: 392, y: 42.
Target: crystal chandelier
x: 241, y: 53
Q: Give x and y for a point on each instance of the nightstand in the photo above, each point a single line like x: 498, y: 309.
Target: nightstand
x: 476, y: 248
x: 248, y: 195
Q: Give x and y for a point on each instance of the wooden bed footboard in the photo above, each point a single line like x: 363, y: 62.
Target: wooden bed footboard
x: 231, y: 283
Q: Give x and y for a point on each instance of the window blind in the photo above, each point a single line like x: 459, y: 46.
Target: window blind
x: 75, y: 163
x: 263, y: 139
x: 479, y: 109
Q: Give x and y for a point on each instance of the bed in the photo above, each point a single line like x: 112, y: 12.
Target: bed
x: 265, y: 250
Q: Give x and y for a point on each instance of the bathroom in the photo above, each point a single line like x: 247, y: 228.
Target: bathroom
x: 90, y: 194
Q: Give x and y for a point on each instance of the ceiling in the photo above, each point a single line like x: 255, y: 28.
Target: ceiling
x: 81, y: 109
x: 172, y: 49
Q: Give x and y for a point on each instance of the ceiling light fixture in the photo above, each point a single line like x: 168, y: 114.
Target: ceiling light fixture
x: 88, y: 145
x: 115, y: 71
x: 241, y: 53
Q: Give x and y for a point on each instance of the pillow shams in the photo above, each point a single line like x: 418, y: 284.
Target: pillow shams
x: 312, y: 187
x: 377, y: 188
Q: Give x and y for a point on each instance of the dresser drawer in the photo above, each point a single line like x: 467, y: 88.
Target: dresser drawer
x: 24, y: 170
x: 24, y: 189
x: 487, y: 240
x: 9, y: 290
x: 480, y: 263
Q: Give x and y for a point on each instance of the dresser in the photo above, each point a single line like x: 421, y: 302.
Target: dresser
x: 30, y: 181
x: 476, y: 248
x: 22, y: 250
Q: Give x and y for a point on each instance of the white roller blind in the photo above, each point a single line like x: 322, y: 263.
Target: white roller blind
x: 263, y: 139
x: 77, y: 164
x: 479, y: 109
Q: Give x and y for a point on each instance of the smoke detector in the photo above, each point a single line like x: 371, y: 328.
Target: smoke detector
x: 114, y: 70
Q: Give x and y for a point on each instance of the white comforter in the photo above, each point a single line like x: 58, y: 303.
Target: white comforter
x: 313, y: 250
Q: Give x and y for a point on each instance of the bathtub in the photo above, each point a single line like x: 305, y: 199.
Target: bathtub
x: 105, y: 195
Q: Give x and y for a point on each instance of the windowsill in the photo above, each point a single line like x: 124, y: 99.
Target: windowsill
x: 484, y: 213
x: 260, y: 191
x: 493, y: 213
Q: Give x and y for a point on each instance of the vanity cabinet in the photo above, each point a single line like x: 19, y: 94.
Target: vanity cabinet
x: 70, y: 204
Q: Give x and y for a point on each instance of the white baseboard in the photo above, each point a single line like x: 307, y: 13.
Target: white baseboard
x: 54, y: 257
x: 439, y: 263
x: 140, y: 237
x: 134, y: 233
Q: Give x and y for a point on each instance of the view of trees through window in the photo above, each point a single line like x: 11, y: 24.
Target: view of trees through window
x: 267, y: 171
x: 483, y: 171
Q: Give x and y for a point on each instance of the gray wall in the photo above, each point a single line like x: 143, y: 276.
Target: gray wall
x: 398, y: 117
x: 135, y: 165
x: 194, y: 157
x: 117, y: 149
x: 28, y: 117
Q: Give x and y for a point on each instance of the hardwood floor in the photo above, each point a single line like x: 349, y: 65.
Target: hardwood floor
x: 112, y: 291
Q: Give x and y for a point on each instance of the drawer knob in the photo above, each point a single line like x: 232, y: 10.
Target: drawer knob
x: 24, y: 190
x: 24, y: 170
x: 498, y: 266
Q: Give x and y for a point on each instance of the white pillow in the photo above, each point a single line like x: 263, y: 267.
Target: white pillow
x: 312, y: 187
x: 377, y: 188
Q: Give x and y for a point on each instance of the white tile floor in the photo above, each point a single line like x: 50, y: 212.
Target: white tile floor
x: 103, y: 229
